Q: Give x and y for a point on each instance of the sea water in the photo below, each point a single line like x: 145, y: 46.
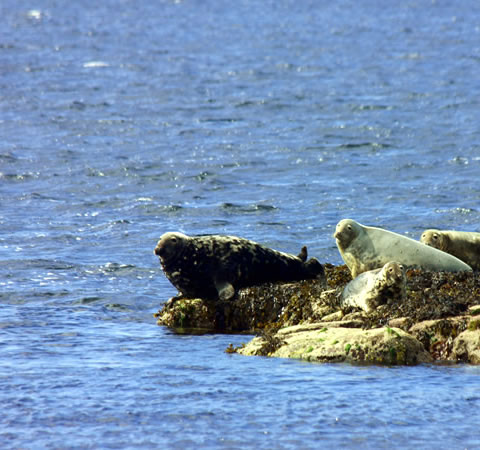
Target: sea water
x: 272, y: 120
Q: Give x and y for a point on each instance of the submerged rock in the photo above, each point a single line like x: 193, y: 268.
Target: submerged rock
x: 437, y: 317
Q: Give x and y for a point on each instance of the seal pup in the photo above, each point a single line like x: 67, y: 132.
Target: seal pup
x: 464, y: 245
x: 366, y: 248
x: 215, y: 266
x: 376, y: 287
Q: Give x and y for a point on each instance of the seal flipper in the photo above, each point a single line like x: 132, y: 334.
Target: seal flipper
x: 172, y: 300
x: 303, y: 255
x: 225, y: 290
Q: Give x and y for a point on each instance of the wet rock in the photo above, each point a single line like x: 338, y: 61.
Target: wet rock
x: 437, y: 310
x: 437, y: 336
x: 319, y: 343
x: 466, y: 347
x: 188, y: 313
x: 259, y: 307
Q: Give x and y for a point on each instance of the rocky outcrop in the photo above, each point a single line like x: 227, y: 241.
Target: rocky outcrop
x: 259, y: 307
x: 466, y: 347
x: 326, y: 343
x: 439, y: 320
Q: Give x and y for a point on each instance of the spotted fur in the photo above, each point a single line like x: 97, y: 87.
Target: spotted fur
x: 216, y: 266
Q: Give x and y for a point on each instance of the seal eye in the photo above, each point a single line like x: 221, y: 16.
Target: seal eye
x: 349, y: 227
x: 435, y: 237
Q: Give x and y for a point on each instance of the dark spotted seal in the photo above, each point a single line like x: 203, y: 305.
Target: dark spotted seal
x: 464, y: 245
x: 376, y: 287
x: 366, y: 248
x: 216, y: 266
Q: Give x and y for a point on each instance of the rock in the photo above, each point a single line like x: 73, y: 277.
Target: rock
x: 337, y: 315
x: 320, y: 343
x: 438, y: 309
x: 254, y: 308
x: 437, y: 336
x: 474, y: 310
x: 188, y: 313
x: 404, y: 323
x: 466, y: 347
x: 474, y: 322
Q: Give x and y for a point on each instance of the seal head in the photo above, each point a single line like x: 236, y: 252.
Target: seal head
x: 171, y: 246
x: 435, y: 239
x: 345, y: 232
x: 376, y: 287
x: 464, y: 245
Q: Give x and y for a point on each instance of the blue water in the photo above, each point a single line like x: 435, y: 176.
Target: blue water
x: 272, y: 120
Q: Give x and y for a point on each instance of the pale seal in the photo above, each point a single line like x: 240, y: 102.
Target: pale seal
x: 366, y: 248
x: 215, y: 266
x: 464, y: 245
x: 376, y: 287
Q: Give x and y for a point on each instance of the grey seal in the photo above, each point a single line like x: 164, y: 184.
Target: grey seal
x: 375, y: 287
x: 464, y: 245
x: 215, y: 266
x: 366, y: 248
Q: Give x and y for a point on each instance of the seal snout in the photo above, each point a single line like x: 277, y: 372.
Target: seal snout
x: 158, y: 250
x: 170, y: 245
x: 339, y: 234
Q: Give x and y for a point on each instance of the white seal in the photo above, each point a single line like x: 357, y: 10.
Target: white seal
x: 376, y: 287
x: 366, y: 248
x: 464, y: 245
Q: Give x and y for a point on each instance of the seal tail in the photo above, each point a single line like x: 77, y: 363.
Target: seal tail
x: 303, y: 255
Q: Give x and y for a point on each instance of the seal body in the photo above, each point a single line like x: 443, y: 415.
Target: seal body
x: 376, y: 287
x: 464, y: 245
x: 366, y: 248
x: 215, y: 266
